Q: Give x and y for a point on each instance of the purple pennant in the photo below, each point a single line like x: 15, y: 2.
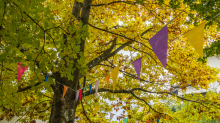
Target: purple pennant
x: 76, y: 95
x: 159, y: 44
x: 137, y: 66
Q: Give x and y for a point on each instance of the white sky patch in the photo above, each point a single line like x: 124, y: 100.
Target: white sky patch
x: 148, y: 23
x: 120, y: 22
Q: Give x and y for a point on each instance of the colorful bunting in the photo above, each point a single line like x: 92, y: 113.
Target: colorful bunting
x: 159, y: 45
x: 157, y: 120
x: 85, y: 91
x: 137, y: 66
x: 46, y: 78
x: 80, y: 93
x: 114, y: 76
x: 125, y: 120
x: 21, y: 71
x: 148, y: 121
x: 196, y: 38
x: 96, y: 87
x: 64, y: 90
x: 111, y: 116
x: 107, y: 79
x: 166, y: 117
x: 90, y: 88
x: 76, y: 95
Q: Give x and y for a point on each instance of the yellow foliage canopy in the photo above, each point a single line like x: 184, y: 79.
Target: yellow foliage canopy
x: 41, y: 44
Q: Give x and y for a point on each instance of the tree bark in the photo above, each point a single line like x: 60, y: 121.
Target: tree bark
x: 64, y: 109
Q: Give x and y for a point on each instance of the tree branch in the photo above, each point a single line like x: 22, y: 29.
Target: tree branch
x: 45, y: 109
x: 76, y: 9
x: 31, y: 109
x: 82, y: 102
x: 141, y: 89
x: 107, y: 55
x: 127, y: 2
x: 153, y: 13
x: 111, y: 32
x: 28, y: 87
x: 102, y: 57
x: 148, y: 30
x: 145, y: 103
x: 86, y: 11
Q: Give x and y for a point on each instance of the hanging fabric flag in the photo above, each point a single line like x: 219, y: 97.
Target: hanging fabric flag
x: 196, y: 38
x: 166, y: 117
x: 90, y: 88
x: 157, y: 120
x: 80, y: 93
x: 159, y: 45
x: 64, y: 90
x: 46, y: 78
x: 21, y: 71
x: 107, y: 79
x: 45, y: 88
x: 136, y: 121
x: 148, y: 121
x: 85, y: 91
x: 114, y: 76
x: 137, y: 67
x: 125, y: 120
x: 96, y: 108
x: 111, y: 116
x: 96, y: 87
x: 76, y: 95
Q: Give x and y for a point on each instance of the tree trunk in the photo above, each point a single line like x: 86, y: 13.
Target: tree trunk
x: 64, y: 109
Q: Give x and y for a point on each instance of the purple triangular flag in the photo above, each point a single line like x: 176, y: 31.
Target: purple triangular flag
x: 159, y: 44
x: 76, y: 95
x: 137, y: 66
x: 96, y: 87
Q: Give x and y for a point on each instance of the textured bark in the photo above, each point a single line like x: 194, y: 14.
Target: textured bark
x: 63, y: 109
x: 76, y: 9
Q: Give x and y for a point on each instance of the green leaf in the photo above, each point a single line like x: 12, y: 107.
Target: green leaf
x: 139, y: 1
x: 22, y: 65
x: 160, y: 2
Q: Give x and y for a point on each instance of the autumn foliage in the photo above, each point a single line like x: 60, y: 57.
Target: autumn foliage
x: 53, y: 40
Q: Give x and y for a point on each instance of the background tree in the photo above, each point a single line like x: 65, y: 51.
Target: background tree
x: 77, y: 42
